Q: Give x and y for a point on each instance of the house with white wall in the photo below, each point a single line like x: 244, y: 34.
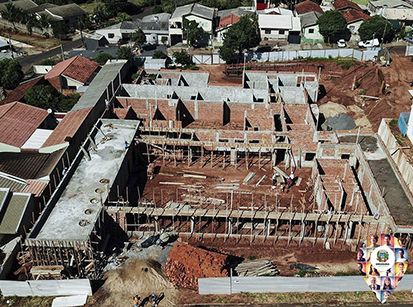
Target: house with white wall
x: 226, y: 19
x: 279, y: 28
x: 154, y: 26
x: 393, y: 10
x: 203, y: 15
x: 310, y: 30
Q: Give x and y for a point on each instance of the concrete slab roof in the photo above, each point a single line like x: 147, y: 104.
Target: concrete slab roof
x: 77, y: 210
x: 99, y: 84
x: 13, y: 213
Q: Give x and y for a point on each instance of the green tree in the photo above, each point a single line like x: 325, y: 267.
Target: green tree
x: 182, y: 57
x: 138, y: 37
x: 43, y: 96
x: 59, y: 29
x: 12, y: 14
x: 47, y: 97
x: 376, y: 27
x: 194, y: 34
x: 100, y: 14
x: 241, y: 36
x: 333, y: 27
x: 102, y: 58
x: 125, y: 53
x: 158, y: 54
x: 11, y: 74
x: 113, y: 7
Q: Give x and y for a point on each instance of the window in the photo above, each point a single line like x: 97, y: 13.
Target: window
x: 281, y: 32
x: 311, y: 31
x: 309, y: 156
x: 267, y: 31
x: 111, y: 35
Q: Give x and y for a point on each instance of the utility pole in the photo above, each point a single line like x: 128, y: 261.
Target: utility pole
x: 63, y: 54
x: 11, y: 47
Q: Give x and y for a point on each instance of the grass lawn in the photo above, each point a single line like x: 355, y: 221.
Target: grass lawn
x: 335, y: 298
x: 362, y: 2
x: 36, y: 41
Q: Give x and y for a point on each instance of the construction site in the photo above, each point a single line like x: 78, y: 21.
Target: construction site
x: 197, y: 175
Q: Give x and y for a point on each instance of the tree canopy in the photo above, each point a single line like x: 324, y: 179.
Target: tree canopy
x: 139, y: 37
x: 47, y: 97
x: 333, y: 27
x: 194, y: 34
x: 241, y: 36
x: 125, y: 53
x: 183, y: 58
x: 102, y: 58
x: 11, y: 74
x: 376, y: 27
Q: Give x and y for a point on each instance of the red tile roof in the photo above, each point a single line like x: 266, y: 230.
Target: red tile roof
x: 18, y: 93
x: 228, y: 20
x: 352, y: 15
x: 68, y: 127
x: 307, y: 6
x: 345, y: 4
x: 18, y: 121
x: 36, y: 187
x: 77, y: 68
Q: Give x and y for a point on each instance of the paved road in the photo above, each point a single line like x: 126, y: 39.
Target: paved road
x: 290, y: 284
x: 27, y: 61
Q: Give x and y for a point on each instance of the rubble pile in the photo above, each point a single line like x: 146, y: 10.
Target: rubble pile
x: 257, y: 268
x: 187, y: 263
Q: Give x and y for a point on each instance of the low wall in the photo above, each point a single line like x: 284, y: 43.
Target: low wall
x: 45, y: 287
x: 290, y: 55
x: 226, y: 285
x: 397, y: 154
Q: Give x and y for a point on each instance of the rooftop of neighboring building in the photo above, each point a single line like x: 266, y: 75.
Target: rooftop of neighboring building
x: 18, y: 122
x: 345, y: 4
x: 66, y: 11
x: 24, y: 5
x: 352, y: 15
x: 309, y: 19
x: 390, y: 4
x: 307, y: 6
x: 78, y: 68
x: 194, y: 9
x: 18, y: 93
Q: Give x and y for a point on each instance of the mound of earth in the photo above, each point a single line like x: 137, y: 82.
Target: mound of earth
x: 135, y: 277
x: 187, y: 263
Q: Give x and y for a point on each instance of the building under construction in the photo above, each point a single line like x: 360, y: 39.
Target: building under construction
x: 175, y: 154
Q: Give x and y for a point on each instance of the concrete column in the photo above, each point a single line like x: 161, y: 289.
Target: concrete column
x: 229, y: 226
x: 192, y: 224
x: 233, y: 156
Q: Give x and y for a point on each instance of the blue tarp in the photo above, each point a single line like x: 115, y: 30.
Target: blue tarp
x: 402, y: 122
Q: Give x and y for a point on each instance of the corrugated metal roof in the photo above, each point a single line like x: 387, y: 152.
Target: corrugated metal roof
x: 14, y: 213
x: 13, y: 184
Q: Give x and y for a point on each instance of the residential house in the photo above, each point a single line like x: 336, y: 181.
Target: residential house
x: 95, y: 41
x: 117, y: 33
x: 156, y: 28
x: 72, y: 73
x: 227, y: 18
x: 203, y: 15
x: 353, y: 15
x: 20, y: 124
x: 393, y: 10
x: 309, y: 27
x: 354, y: 19
x: 70, y: 14
x: 279, y: 28
x: 307, y: 6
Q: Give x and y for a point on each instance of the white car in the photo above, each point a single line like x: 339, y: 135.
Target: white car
x: 369, y: 43
x: 341, y: 43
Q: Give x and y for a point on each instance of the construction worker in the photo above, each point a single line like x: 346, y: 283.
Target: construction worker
x: 137, y: 301
x: 290, y: 180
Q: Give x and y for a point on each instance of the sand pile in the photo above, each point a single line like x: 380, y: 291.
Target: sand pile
x: 187, y: 263
x: 135, y: 277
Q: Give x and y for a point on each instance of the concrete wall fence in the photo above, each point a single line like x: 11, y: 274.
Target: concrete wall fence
x: 226, y: 285
x: 290, y: 55
x: 45, y: 287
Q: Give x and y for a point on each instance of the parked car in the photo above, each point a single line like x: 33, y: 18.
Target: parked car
x: 408, y: 39
x: 341, y: 43
x: 369, y: 43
